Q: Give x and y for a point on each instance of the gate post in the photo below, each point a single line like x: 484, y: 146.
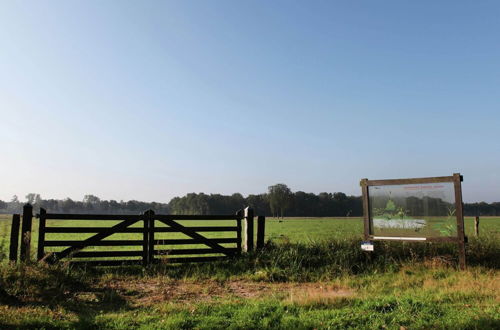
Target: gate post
x: 41, y: 234
x: 145, y: 237
x: 261, y: 228
x: 239, y: 215
x: 148, y: 238
x: 14, y: 237
x: 26, y: 232
x: 248, y: 228
x: 151, y: 237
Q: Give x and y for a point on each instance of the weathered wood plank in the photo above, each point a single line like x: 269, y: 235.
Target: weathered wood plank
x: 146, y: 254
x: 182, y: 241
x: 476, y: 226
x: 238, y: 233
x: 248, y: 229
x: 137, y: 230
x: 195, y: 217
x: 188, y: 260
x: 75, y: 216
x: 94, y: 263
x: 151, y: 238
x: 14, y: 237
x: 198, y: 229
x: 414, y: 239
x: 460, y: 220
x: 41, y: 234
x: 104, y: 254
x: 99, y: 243
x: 26, y: 232
x: 261, y: 229
x: 75, y: 230
x: 366, y: 208
x: 189, y: 251
x: 438, y: 179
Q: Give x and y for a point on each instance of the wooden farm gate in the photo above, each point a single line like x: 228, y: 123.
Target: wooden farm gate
x: 151, y: 243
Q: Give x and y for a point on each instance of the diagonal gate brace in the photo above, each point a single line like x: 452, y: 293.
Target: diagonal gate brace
x: 203, y: 240
x: 91, y: 240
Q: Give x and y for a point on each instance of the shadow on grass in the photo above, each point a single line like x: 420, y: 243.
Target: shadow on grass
x: 54, y: 287
x: 483, y: 323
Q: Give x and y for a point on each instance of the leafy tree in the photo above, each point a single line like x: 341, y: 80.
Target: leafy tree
x: 280, y: 197
x: 91, y: 199
x: 34, y: 199
x: 259, y: 203
x: 38, y: 200
x: 30, y: 198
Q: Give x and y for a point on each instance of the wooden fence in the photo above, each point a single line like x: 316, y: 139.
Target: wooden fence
x: 149, y: 245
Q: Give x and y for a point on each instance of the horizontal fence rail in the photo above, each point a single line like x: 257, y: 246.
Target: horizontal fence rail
x: 146, y: 238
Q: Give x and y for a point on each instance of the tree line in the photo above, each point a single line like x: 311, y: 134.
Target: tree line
x: 89, y: 204
x: 279, y: 201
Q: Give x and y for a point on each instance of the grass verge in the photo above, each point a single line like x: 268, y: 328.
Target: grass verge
x: 322, y: 284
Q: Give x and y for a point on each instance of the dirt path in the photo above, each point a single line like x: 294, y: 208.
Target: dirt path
x: 154, y: 291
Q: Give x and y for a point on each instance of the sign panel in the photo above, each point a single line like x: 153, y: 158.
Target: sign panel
x: 413, y: 210
x: 419, y: 209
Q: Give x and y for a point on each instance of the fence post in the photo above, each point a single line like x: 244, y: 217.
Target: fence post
x: 151, y: 236
x: 14, y: 237
x: 41, y: 234
x: 239, y: 214
x: 145, y: 239
x: 248, y: 228
x: 476, y: 226
x: 26, y: 232
x: 261, y: 229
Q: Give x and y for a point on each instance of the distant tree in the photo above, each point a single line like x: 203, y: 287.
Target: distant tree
x: 14, y: 205
x: 34, y: 199
x: 38, y: 200
x: 340, y: 204
x: 91, y: 199
x: 280, y: 197
x: 68, y: 205
x: 30, y: 198
x: 3, y: 205
x: 91, y: 203
x: 259, y: 203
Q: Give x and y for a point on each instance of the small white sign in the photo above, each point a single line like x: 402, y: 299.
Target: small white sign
x: 367, y: 246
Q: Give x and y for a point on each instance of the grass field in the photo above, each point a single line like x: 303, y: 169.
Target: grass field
x: 312, y: 276
x: 297, y: 230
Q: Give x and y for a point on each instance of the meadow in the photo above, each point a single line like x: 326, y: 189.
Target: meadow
x: 311, y: 275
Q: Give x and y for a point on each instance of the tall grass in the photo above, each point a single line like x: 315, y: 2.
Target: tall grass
x: 3, y: 249
x: 300, y: 262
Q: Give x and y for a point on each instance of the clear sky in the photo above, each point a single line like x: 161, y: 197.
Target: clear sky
x: 152, y: 99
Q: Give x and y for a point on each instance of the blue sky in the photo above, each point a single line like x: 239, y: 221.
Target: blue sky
x: 149, y: 100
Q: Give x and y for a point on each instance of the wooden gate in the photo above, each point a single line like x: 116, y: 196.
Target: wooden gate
x: 142, y: 239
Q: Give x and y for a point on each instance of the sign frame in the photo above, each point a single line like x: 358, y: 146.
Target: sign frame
x: 456, y: 179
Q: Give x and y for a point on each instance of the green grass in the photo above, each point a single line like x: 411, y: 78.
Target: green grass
x: 312, y: 276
